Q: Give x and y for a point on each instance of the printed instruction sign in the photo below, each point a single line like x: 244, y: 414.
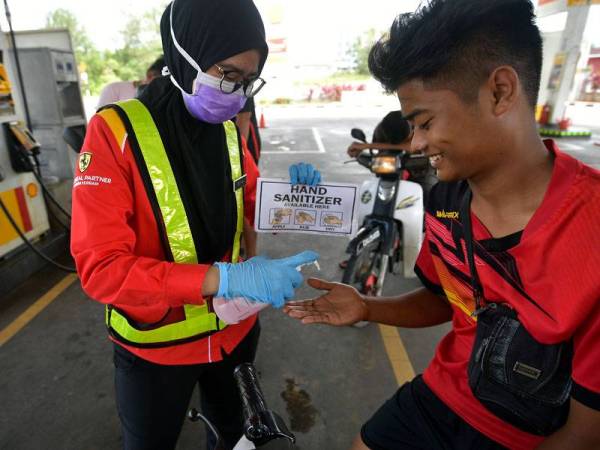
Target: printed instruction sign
x: 322, y: 209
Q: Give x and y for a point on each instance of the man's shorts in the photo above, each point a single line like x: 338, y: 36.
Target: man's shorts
x: 414, y: 418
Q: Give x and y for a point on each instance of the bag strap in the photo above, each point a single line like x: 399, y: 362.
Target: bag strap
x: 465, y: 220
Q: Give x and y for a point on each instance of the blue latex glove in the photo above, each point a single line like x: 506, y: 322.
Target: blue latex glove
x: 303, y: 173
x: 263, y: 280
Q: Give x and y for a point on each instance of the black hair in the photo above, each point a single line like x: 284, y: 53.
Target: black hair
x: 458, y: 44
x: 392, y: 129
x: 157, y: 66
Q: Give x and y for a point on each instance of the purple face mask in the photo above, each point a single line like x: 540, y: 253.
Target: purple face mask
x: 211, y: 105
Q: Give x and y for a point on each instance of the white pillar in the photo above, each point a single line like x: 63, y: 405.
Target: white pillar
x: 571, y: 47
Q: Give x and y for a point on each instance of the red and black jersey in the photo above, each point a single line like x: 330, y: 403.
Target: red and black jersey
x: 549, y: 273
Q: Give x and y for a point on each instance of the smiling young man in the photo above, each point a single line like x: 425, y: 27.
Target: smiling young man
x: 467, y: 75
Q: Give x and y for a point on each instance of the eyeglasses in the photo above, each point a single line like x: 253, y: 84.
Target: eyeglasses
x: 230, y: 82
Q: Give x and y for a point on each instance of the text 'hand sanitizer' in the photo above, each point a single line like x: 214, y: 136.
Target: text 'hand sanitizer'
x: 239, y: 308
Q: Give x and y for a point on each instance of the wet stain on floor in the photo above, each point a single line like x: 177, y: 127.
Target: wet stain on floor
x: 300, y: 410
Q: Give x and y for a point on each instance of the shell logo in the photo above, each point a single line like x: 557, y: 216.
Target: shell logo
x: 32, y: 190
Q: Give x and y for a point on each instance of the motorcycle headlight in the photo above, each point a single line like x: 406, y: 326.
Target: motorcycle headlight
x: 384, y: 164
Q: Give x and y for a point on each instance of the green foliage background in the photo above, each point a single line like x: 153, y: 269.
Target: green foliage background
x: 359, y: 50
x: 139, y: 47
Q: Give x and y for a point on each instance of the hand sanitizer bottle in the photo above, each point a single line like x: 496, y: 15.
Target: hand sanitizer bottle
x: 239, y: 308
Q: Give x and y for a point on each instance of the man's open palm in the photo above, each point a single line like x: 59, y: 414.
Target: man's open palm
x: 341, y: 305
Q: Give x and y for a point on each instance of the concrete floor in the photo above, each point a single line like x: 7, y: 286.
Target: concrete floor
x: 56, y: 385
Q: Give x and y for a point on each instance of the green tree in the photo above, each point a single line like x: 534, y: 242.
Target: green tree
x: 63, y: 18
x: 360, y: 48
x: 141, y: 46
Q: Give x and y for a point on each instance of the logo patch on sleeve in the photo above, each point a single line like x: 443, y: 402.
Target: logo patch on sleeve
x: 85, y: 158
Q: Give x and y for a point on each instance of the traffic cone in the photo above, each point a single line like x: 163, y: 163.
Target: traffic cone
x: 261, y: 123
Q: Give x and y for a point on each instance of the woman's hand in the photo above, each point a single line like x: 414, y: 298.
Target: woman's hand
x: 341, y: 305
x: 262, y: 279
x: 303, y: 173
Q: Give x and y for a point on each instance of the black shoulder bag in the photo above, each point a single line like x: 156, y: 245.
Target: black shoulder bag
x: 518, y: 379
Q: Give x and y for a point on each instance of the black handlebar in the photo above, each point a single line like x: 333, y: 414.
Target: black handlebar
x: 260, y: 424
x: 365, y: 159
x: 253, y: 400
x: 415, y: 163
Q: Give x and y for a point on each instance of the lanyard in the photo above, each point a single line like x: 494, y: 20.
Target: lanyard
x: 465, y: 220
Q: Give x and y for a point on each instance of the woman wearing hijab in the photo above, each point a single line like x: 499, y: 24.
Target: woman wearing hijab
x: 159, y: 200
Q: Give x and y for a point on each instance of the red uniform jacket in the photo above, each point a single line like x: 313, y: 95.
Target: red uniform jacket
x: 118, y: 252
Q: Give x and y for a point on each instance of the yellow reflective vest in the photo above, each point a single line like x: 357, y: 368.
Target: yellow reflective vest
x: 145, y: 139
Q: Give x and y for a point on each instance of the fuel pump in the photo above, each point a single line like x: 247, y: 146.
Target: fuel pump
x: 24, y: 221
x: 20, y: 192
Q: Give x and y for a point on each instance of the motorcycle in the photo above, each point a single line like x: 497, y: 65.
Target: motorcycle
x: 392, y: 216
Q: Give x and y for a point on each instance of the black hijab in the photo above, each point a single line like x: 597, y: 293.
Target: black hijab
x: 209, y: 31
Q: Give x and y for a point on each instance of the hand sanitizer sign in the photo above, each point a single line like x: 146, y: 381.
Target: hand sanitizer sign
x: 323, y: 209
